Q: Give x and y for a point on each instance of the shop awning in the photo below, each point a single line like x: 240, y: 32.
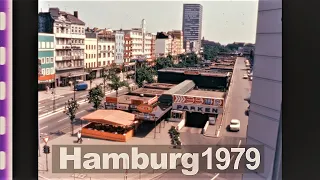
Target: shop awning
x: 111, y: 117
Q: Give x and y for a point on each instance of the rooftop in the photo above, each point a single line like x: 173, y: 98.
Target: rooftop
x: 197, y: 71
x: 203, y: 93
x: 126, y: 99
x: 56, y: 14
x: 148, y: 91
x: 165, y: 86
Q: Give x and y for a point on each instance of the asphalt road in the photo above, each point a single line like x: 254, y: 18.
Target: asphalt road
x: 237, y: 106
x: 58, y: 124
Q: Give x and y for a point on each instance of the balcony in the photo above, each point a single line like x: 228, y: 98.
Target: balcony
x: 63, y: 58
x: 63, y: 46
x: 78, y: 46
x: 77, y: 57
x: 60, y: 68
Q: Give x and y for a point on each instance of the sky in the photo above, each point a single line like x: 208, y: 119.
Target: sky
x: 224, y: 21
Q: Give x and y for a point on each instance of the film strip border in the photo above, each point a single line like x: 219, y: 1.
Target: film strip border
x: 5, y: 89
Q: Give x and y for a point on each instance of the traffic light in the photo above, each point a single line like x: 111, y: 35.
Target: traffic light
x: 46, y: 149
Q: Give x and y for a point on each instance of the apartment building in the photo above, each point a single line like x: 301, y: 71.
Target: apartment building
x: 153, y: 45
x: 163, y: 44
x: 177, y: 42
x: 69, y: 33
x: 264, y: 124
x: 91, y: 50
x: 127, y: 48
x: 106, y: 47
x: 119, y: 47
x: 46, y: 56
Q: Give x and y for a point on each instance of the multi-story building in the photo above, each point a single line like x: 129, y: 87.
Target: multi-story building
x: 106, y: 47
x: 69, y: 33
x: 127, y: 48
x: 153, y: 45
x: 195, y: 47
x: 119, y: 47
x: 163, y: 44
x: 46, y: 57
x: 91, y: 50
x: 192, y: 23
x: 177, y: 41
x: 264, y: 124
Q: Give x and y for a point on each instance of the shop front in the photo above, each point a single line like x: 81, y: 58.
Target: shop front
x: 46, y: 81
x: 196, y: 110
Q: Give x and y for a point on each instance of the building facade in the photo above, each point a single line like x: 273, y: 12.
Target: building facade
x: 264, y: 124
x: 163, y: 45
x: 119, y: 47
x: 91, y: 50
x: 46, y: 56
x: 177, y: 42
x: 192, y: 22
x: 69, y: 33
x: 127, y: 48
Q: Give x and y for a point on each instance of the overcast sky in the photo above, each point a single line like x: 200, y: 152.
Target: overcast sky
x: 224, y: 21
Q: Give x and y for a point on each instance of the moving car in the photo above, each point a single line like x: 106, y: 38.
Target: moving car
x: 245, y: 76
x: 234, y: 125
x: 81, y: 87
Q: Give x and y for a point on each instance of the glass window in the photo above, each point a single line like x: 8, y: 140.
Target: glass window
x: 39, y: 45
x: 43, y: 71
x: 47, y: 60
x: 52, y: 70
x: 43, y: 45
x: 43, y: 60
x: 51, y: 59
x: 51, y: 45
x: 47, y: 71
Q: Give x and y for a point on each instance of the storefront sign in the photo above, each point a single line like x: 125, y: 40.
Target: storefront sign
x: 217, y: 102
x: 136, y: 102
x: 153, y: 100
x: 110, y: 105
x: 111, y: 100
x: 123, y: 107
x: 191, y: 72
x: 197, y: 108
x: 144, y: 116
x: 145, y: 108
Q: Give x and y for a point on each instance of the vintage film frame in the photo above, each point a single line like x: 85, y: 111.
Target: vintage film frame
x: 5, y: 89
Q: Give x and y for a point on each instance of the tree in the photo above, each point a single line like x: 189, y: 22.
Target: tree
x: 71, y: 107
x: 90, y: 76
x: 163, y: 63
x: 145, y: 73
x: 96, y: 96
x: 116, y: 83
x: 104, y: 76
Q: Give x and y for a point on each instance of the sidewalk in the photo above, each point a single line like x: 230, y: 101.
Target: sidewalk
x: 162, y: 138
x: 61, y: 91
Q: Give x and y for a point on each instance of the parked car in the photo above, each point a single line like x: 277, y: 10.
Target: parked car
x: 245, y: 76
x: 234, y: 125
x: 81, y: 87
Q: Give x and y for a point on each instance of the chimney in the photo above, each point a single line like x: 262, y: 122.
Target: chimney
x: 75, y: 13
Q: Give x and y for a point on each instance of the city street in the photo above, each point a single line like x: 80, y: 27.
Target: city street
x: 58, y: 123
x: 236, y: 107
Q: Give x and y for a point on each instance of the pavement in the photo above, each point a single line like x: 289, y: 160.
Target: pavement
x: 146, y: 137
x: 58, y: 123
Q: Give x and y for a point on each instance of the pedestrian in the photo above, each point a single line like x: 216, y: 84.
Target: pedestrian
x: 79, y: 137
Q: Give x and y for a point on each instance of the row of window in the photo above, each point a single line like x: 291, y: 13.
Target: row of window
x: 46, y: 60
x: 93, y: 47
x: 67, y: 30
x: 47, y: 71
x: 68, y: 64
x: 45, y: 45
x: 100, y: 55
x: 61, y: 41
x: 93, y: 64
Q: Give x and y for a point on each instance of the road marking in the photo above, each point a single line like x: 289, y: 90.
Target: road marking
x: 43, y: 128
x: 218, y: 133
x: 68, y: 117
x: 214, y: 177
x: 84, y: 95
x: 239, y: 143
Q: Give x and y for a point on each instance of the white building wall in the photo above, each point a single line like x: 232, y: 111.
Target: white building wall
x: 266, y: 95
x: 119, y: 47
x: 91, y: 54
x: 106, y: 56
x: 136, y: 41
x: 160, y: 46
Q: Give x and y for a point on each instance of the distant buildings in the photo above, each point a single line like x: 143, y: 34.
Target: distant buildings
x: 46, y: 57
x: 119, y: 47
x: 177, y: 42
x: 163, y: 44
x: 69, y: 33
x: 192, y: 23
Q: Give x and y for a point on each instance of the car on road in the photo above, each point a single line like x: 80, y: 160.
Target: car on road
x: 245, y: 76
x: 234, y: 125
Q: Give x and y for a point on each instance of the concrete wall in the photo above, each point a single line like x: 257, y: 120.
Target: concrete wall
x: 266, y: 95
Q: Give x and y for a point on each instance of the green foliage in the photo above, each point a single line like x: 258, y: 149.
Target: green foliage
x: 104, y: 76
x: 96, y: 96
x: 145, y: 73
x: 90, y: 76
x: 175, y: 137
x: 116, y: 82
x: 71, y: 107
x: 188, y: 60
x: 163, y: 62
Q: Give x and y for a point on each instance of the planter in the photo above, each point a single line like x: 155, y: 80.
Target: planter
x: 107, y: 135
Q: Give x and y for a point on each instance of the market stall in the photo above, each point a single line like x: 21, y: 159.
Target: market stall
x: 112, y: 125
